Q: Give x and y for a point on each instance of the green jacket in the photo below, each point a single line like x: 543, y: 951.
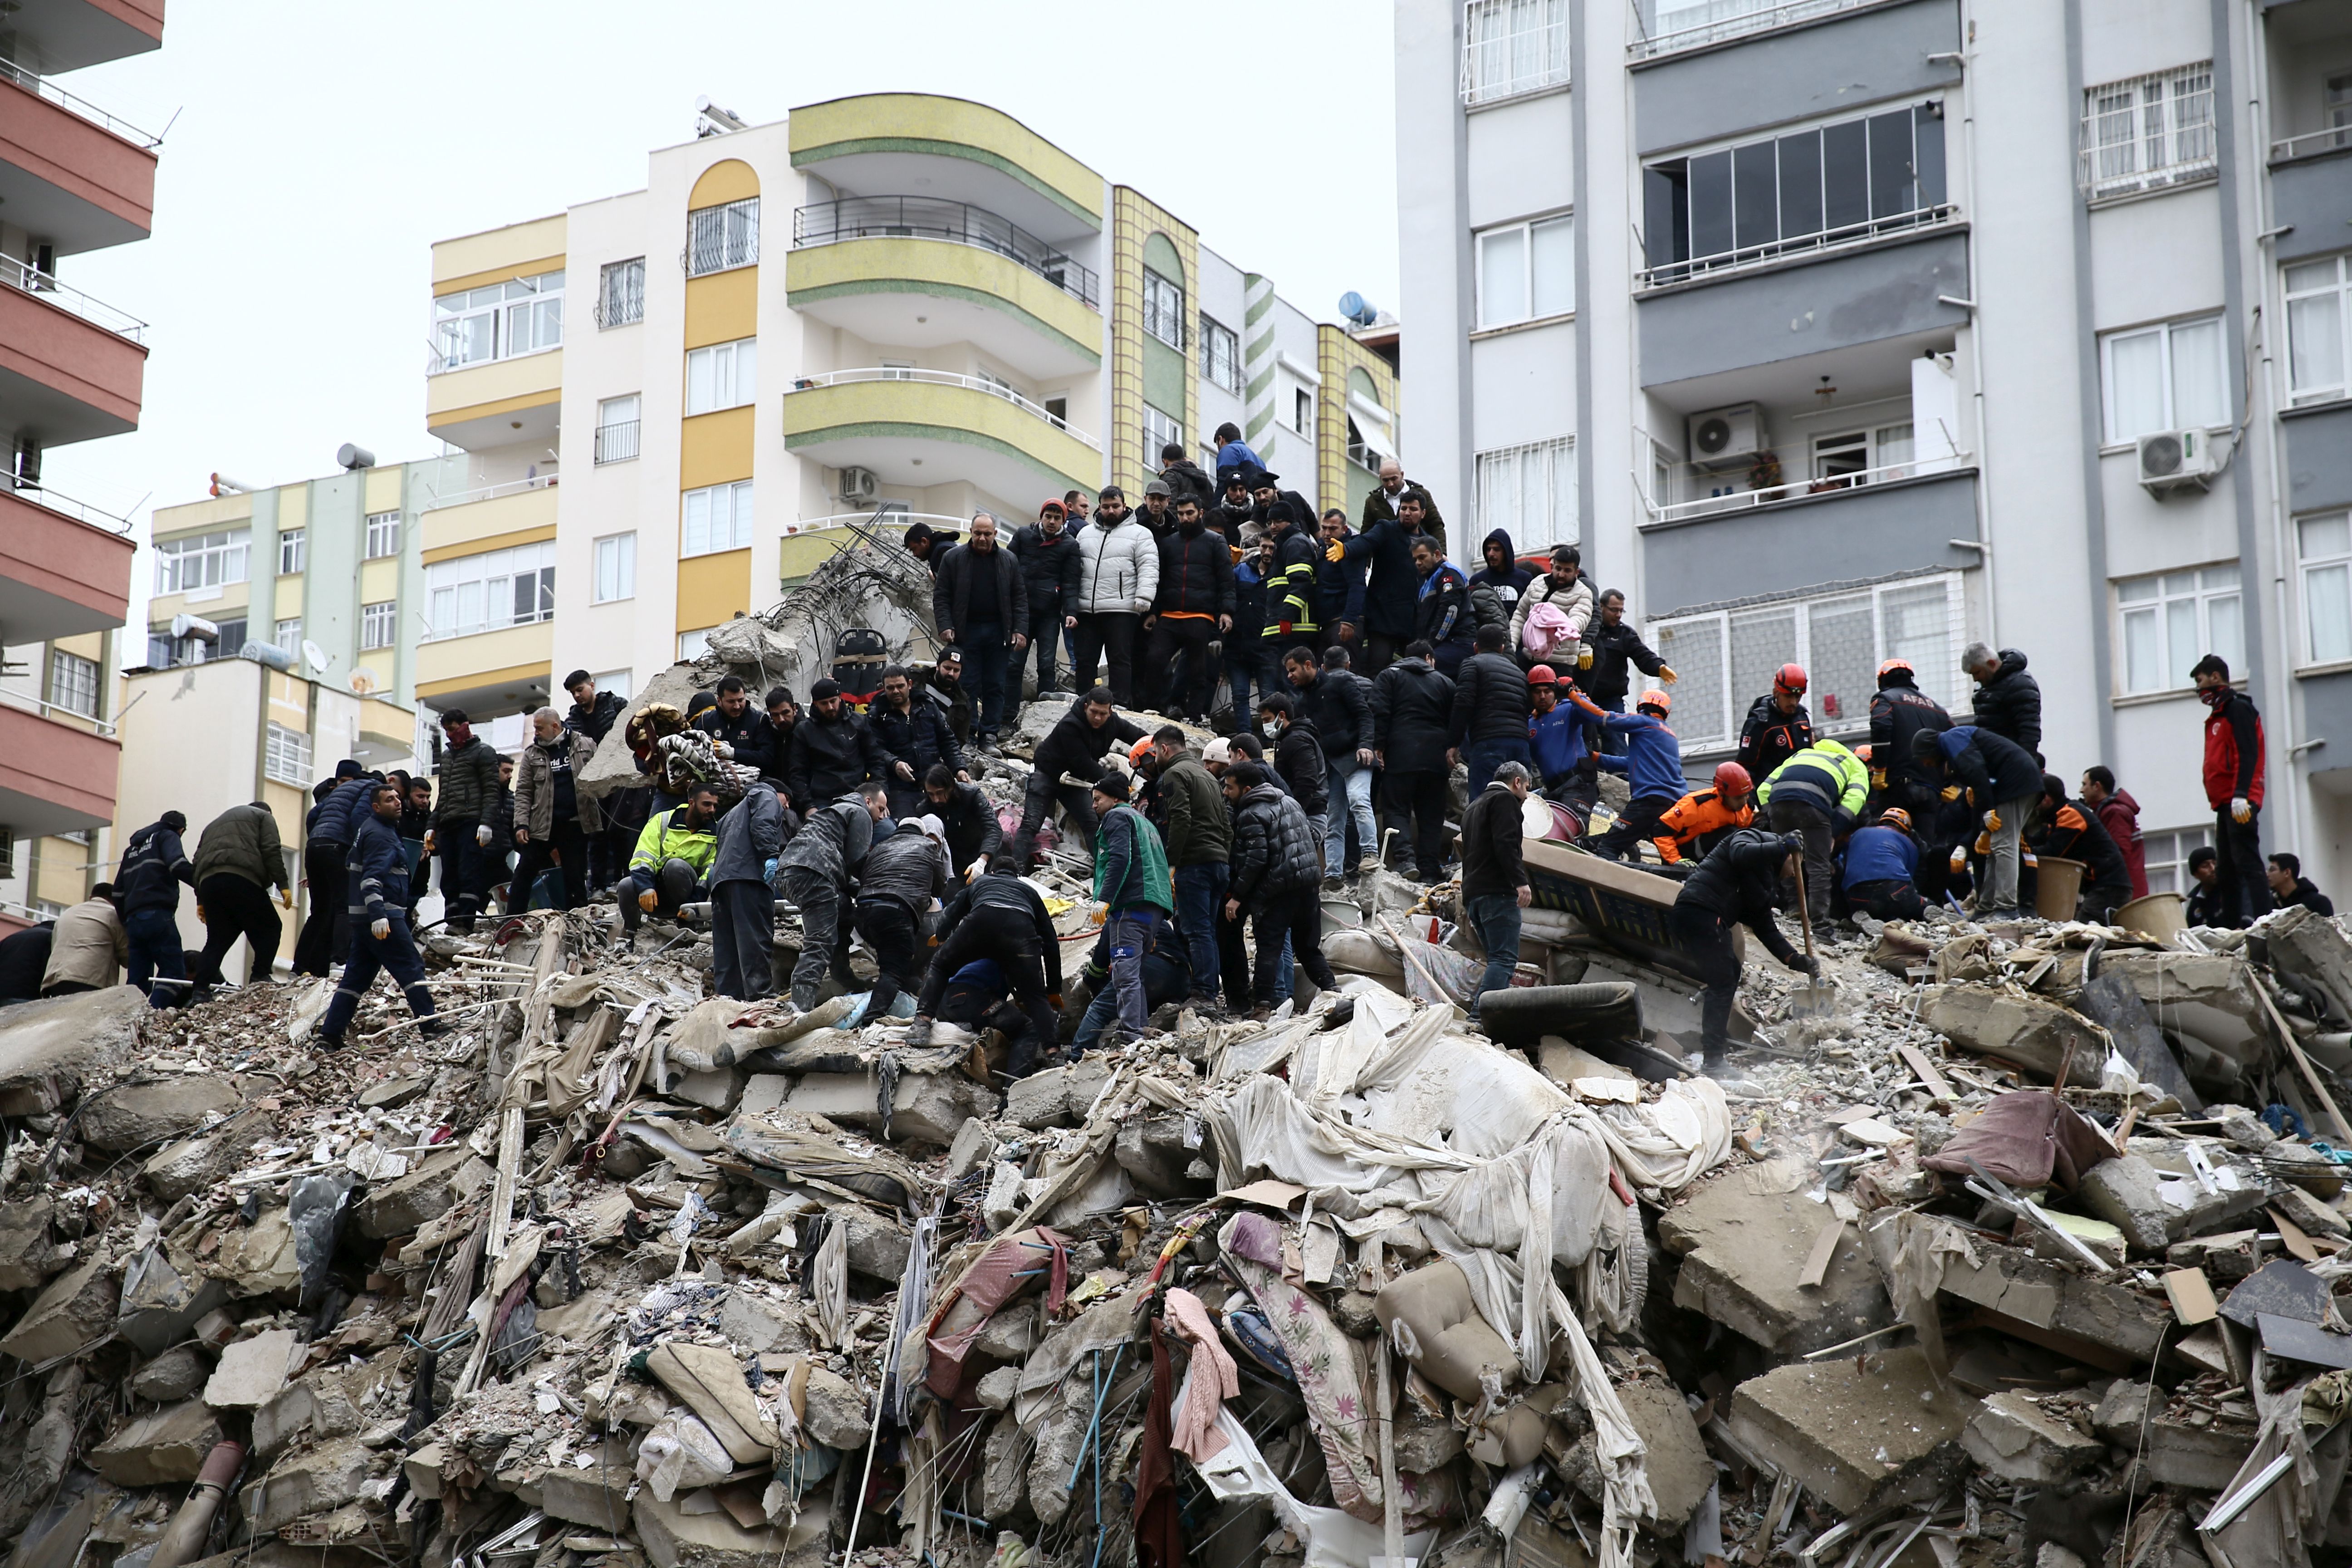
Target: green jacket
x: 1825, y: 770
x: 1200, y: 823
x: 667, y: 837
x: 243, y: 842
x: 1130, y: 865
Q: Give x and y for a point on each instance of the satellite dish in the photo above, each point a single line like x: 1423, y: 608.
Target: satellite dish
x: 315, y: 656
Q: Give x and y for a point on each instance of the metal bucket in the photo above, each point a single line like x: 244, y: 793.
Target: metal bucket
x: 2057, y: 887
x: 2159, y: 917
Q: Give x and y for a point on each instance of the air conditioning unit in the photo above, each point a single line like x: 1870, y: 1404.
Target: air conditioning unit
x: 860, y: 485
x: 2175, y: 460
x: 1723, y: 438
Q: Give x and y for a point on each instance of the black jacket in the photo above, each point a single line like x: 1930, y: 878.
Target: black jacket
x: 2205, y: 906
x: 1490, y: 700
x: 2307, y: 894
x: 1412, y: 716
x: 1011, y: 909
x: 828, y: 761
x: 596, y: 720
x: 2009, y: 704
x: 1073, y: 746
x: 1293, y: 594
x: 1378, y: 507
x: 152, y: 866
x: 2076, y: 833
x: 1896, y: 713
x: 952, y: 605
x: 1338, y: 703
x: 1276, y: 853
x: 1196, y: 574
x: 774, y: 744
x: 1185, y: 478
x: 1491, y: 863
x: 907, y: 869
x: 1298, y: 756
x: 1049, y: 567
x: 1771, y: 737
x: 1740, y: 881
x: 1249, y: 604
x: 970, y: 819
x: 1994, y: 766
x: 468, y: 782
x: 919, y: 737
x: 1392, y: 586
x: 1613, y: 649
x: 747, y: 733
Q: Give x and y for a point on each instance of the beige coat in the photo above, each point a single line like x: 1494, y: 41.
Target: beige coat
x: 88, y: 947
x: 535, y: 788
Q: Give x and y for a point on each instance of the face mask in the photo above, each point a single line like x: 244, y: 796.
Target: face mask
x: 2211, y: 696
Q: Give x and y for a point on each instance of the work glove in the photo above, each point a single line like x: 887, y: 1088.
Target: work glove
x: 2242, y: 811
x: 1984, y: 843
x: 1804, y: 965
x: 428, y: 843
x: 1878, y: 778
x: 1336, y: 550
x: 648, y: 900
x: 286, y: 898
x: 482, y: 835
x: 971, y: 872
x: 379, y: 929
x: 1098, y: 915
x: 1992, y: 821
x: 1584, y: 656
x: 1666, y: 673
x: 725, y: 752
x: 1959, y: 859
x: 768, y: 869
x: 1054, y: 1000
x: 1951, y: 792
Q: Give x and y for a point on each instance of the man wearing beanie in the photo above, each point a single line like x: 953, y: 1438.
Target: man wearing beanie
x: 155, y: 863
x: 1133, y: 888
x: 833, y: 750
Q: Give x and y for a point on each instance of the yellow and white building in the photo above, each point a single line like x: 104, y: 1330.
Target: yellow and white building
x: 893, y: 303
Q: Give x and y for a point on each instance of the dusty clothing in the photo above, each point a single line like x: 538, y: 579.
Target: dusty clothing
x: 243, y: 842
x: 832, y: 842
x: 546, y: 777
x: 88, y: 947
x: 907, y: 869
x: 751, y: 833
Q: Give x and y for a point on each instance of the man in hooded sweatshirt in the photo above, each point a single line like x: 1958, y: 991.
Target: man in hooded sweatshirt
x: 1501, y: 572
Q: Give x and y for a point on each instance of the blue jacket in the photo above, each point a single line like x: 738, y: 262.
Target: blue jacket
x: 1339, y: 591
x: 1653, y: 760
x: 1235, y: 457
x: 340, y: 813
x: 376, y: 872
x: 1880, y: 854
x: 153, y: 866
x: 1558, y: 741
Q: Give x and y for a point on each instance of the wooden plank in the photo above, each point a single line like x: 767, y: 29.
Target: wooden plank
x: 1918, y: 1062
x: 2292, y: 1237
x: 1825, y: 1246
x: 2303, y: 1063
x: 2192, y: 1294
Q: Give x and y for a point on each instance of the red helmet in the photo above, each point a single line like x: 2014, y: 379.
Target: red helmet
x: 1542, y: 675
x: 1654, y: 698
x: 1790, y: 677
x: 1731, y: 779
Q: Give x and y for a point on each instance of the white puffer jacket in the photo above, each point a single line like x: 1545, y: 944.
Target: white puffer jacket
x: 1575, y: 602
x: 1119, y: 569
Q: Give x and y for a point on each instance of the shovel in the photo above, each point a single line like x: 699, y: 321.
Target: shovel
x: 1817, y: 998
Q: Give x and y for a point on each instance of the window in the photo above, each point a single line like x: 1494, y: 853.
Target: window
x: 616, y: 428
x: 1511, y: 47
x: 1726, y: 657
x: 2148, y: 132
x: 1164, y: 309
x: 286, y: 758
x: 2317, y: 314
x: 229, y: 638
x: 621, y: 294
x: 694, y: 645
x: 616, y: 567
x: 379, y: 624
x: 1858, y: 457
x: 1846, y: 181
x: 200, y: 561
x: 382, y: 534
x: 1160, y: 431
x: 1220, y: 356
x: 2167, y: 857
x: 720, y: 237
x: 45, y: 910
x: 73, y: 683
x: 292, y: 551
x: 1530, y: 491
x: 1302, y: 411
x: 2172, y: 619
x: 498, y: 320
x: 2168, y: 378
x: 1526, y: 271
x: 486, y: 593
x: 616, y: 682
x: 1668, y: 25
x: 288, y: 633
x: 724, y: 375
x: 1057, y: 412
x: 717, y: 519
x: 2324, y: 551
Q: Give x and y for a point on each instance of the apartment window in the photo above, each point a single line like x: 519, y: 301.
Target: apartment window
x: 694, y: 645
x: 717, y: 517
x: 288, y: 633
x: 285, y: 757
x: 1160, y: 431
x: 621, y: 292
x: 1726, y: 657
x: 1220, y: 356
x: 1512, y: 46
x: 616, y: 567
x: 498, y: 320
x: 379, y: 624
x: 2323, y: 554
x: 1526, y: 271
x: 724, y: 375
x: 616, y: 682
x: 230, y: 638
x: 2148, y: 132
x: 292, y: 551
x: 2172, y: 619
x: 1845, y: 181
x: 2318, y: 316
x: 1531, y: 491
x: 616, y: 428
x: 1859, y: 457
x: 1302, y: 411
x: 1164, y: 309
x: 73, y: 683
x: 488, y: 592
x: 42, y: 908
x: 382, y: 534
x: 723, y: 237
x: 2167, y: 857
x: 2166, y: 377
x: 200, y: 561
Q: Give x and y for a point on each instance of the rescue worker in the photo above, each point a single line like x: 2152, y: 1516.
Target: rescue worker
x: 1818, y: 794
x: 1898, y: 711
x: 1653, y: 764
x: 1001, y: 918
x: 743, y: 904
x: 1882, y: 864
x: 1698, y: 822
x: 1738, y: 883
x: 2001, y: 780
x: 1778, y: 725
x: 673, y: 856
x: 1558, y: 739
x: 376, y: 875
x: 816, y: 871
x: 2072, y: 830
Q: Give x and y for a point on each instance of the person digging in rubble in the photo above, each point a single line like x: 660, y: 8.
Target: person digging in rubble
x: 2119, y: 815
x: 1133, y: 893
x: 1276, y: 876
x: 2072, y: 830
x: 1818, y: 794
x: 1739, y: 884
x: 1898, y: 711
x: 376, y: 872
x: 1001, y: 918
x: 674, y: 855
x: 1493, y: 875
x: 88, y: 947
x: 903, y: 873
x: 816, y: 871
x: 1653, y: 764
x: 1559, y: 747
x: 1777, y: 726
x: 1695, y: 825
x: 2001, y: 780
x: 968, y: 817
x: 2290, y: 885
x: 750, y: 836
x: 1076, y: 745
x: 1882, y: 867
x: 1167, y: 978
x: 237, y: 861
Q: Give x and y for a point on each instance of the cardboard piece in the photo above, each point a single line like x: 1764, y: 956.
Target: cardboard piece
x: 2192, y: 1294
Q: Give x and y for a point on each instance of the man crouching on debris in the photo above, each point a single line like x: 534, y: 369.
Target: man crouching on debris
x: 1739, y: 884
x: 816, y: 870
x: 673, y: 858
x: 376, y: 871
x: 1001, y: 918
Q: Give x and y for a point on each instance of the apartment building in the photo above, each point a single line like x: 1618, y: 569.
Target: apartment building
x: 877, y: 310
x: 1844, y: 330
x: 74, y: 178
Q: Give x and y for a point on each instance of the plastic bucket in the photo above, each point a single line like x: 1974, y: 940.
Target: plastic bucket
x: 2159, y: 917
x: 1340, y: 914
x: 2057, y: 887
x: 1541, y: 818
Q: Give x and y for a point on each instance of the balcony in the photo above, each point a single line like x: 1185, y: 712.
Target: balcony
x: 1674, y: 26
x: 811, y: 543
x: 60, y: 36
x: 496, y: 403
x: 961, y: 150
x: 465, y: 522
x: 487, y: 673
x: 1512, y: 48
x: 925, y: 274
x: 70, y: 171
x: 1876, y: 524
x: 921, y: 428
x: 2311, y: 190
x: 56, y: 768
x: 71, y: 368
x: 2148, y: 134
x: 60, y: 574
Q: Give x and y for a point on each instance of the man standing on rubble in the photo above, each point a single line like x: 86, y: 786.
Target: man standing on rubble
x: 980, y: 601
x: 1652, y: 767
x: 1200, y: 843
x: 239, y: 860
x: 673, y: 856
x: 1492, y: 705
x: 1133, y: 893
x: 377, y: 875
x: 2119, y: 815
x: 816, y: 871
x: 1898, y: 711
x: 967, y: 816
x: 1777, y: 726
x: 1001, y: 918
x: 834, y: 749
x: 332, y: 823
x: 153, y: 866
x: 554, y: 819
x: 1297, y: 761
x: 742, y: 910
x: 2233, y: 788
x: 1739, y: 884
x: 1495, y: 886
x: 1075, y: 746
x: 1338, y: 703
x: 1413, y: 710
x: 912, y: 736
x: 2007, y: 700
x: 903, y: 873
x: 1119, y: 577
x: 2001, y: 780
x: 1276, y: 868
x: 466, y: 797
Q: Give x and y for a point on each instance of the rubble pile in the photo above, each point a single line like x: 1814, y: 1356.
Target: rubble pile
x: 2030, y: 1250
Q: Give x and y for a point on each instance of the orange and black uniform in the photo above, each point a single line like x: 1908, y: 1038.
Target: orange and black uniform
x: 1771, y: 737
x: 1698, y: 822
x: 2076, y: 833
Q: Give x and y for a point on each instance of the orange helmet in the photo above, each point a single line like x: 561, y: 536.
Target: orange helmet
x: 1731, y: 779
x: 1135, y: 753
x: 1654, y: 698
x: 1894, y: 664
x: 1790, y: 677
x: 1895, y: 817
x: 1542, y: 675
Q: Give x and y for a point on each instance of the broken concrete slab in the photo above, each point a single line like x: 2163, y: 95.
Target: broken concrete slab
x: 1160, y: 1154
x: 140, y: 1115
x: 763, y: 1093
x: 2201, y: 1459
x: 425, y: 1192
x: 996, y: 1389
x: 173, y: 1375
x: 836, y: 1413
x: 760, y: 1324
x: 597, y: 1496
x: 76, y: 1310
x: 2314, y: 949
x: 1004, y: 1458
x: 2014, y: 1439
x: 927, y: 1107
x: 315, y: 1480
x: 163, y: 1295
x: 326, y: 1402
x: 1057, y: 1097
x: 2051, y: 1304
x: 1681, y: 1470
x: 1744, y: 1238
x: 258, y: 1260
x: 2123, y: 1192
x: 2281, y: 1288
x: 29, y: 1257
x: 252, y: 1371
x: 675, y: 1538
x: 2206, y: 1005
x: 1860, y: 1433
x: 163, y: 1445
x: 195, y: 1163
x: 2110, y: 1001
x: 2010, y: 1023
x: 50, y: 1049
x: 877, y: 1249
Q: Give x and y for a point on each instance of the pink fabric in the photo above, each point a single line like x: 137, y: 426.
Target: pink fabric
x: 1214, y: 1379
x: 1547, y: 627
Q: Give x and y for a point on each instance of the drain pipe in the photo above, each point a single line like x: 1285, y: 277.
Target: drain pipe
x: 184, y: 1538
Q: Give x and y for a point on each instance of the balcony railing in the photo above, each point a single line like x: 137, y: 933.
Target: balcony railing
x: 959, y: 223
x: 490, y: 493
x: 81, y: 511
x: 893, y: 523
x: 2148, y: 134
x: 1664, y: 29
x: 41, y: 86
x: 938, y: 378
x: 616, y: 442
x: 1748, y: 500
x: 2310, y: 143
x: 1773, y: 250
x: 30, y: 280
x: 54, y: 714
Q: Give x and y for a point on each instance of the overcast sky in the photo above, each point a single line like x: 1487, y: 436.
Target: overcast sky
x: 320, y: 149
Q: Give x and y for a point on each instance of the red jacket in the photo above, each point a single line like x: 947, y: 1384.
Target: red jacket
x: 2119, y: 815
x: 2233, y: 752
